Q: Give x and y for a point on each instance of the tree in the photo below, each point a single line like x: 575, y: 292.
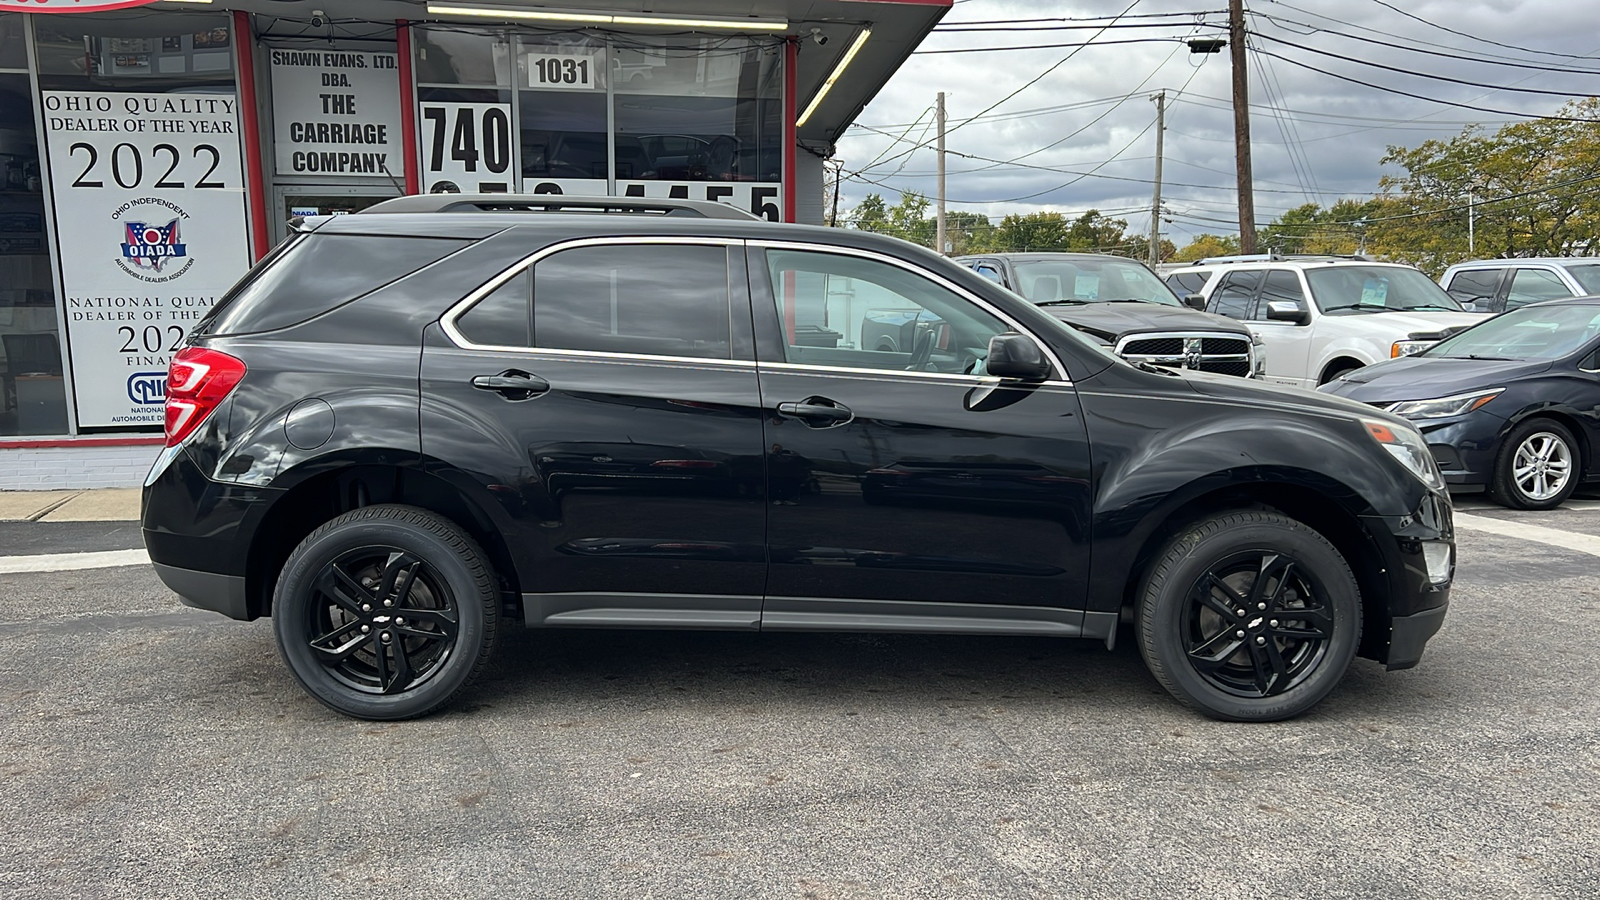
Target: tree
x: 1208, y: 245
x: 871, y: 215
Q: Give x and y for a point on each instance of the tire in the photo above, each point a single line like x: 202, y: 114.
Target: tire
x: 1335, y: 372
x: 1300, y: 632
x: 338, y: 606
x: 1546, y: 453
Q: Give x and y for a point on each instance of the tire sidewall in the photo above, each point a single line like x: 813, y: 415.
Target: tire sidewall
x: 1189, y: 557
x: 291, y: 607
x: 1506, y: 489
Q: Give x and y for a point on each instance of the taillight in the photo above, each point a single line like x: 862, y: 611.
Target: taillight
x: 197, y: 380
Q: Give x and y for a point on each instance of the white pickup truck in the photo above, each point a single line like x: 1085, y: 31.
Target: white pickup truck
x: 1320, y: 317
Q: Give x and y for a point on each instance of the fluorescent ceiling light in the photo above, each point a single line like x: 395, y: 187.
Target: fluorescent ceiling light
x: 553, y: 15
x: 838, y: 70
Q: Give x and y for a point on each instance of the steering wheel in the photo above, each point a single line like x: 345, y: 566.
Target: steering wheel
x: 921, y: 349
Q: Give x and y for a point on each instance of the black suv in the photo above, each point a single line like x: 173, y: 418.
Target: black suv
x: 1127, y: 308
x: 403, y: 431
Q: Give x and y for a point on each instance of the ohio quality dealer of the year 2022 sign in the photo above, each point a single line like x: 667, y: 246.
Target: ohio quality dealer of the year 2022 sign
x: 150, y: 216
x: 336, y: 112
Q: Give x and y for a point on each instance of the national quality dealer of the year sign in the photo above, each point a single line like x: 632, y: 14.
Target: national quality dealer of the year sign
x: 150, y: 216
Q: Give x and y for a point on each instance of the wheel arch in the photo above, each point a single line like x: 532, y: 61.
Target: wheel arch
x: 319, y: 491
x: 1339, y: 363
x: 1566, y: 417
x: 1300, y: 498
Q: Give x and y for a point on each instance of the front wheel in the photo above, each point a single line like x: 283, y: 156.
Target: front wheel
x: 1249, y: 616
x: 386, y: 612
x: 1536, y: 467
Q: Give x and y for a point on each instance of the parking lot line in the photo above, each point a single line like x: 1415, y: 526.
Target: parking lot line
x: 1583, y: 543
x: 64, y: 562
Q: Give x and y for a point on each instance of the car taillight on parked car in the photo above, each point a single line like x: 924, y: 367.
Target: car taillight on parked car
x: 197, y: 380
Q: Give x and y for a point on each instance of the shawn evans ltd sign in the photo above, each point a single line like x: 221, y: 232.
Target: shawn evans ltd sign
x: 336, y: 112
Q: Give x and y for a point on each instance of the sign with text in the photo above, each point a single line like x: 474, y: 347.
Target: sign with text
x: 149, y: 198
x: 466, y: 148
x: 336, y: 112
x: 761, y: 198
x: 562, y: 71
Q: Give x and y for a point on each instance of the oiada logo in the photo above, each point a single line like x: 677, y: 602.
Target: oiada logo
x: 153, y: 251
x: 153, y: 246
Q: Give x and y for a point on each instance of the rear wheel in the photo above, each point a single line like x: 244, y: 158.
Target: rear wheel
x: 1537, y: 467
x: 386, y: 612
x: 1249, y: 616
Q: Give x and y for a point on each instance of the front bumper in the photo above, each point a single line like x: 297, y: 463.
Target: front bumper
x: 1465, y: 447
x: 1418, y: 587
x: 1409, y: 634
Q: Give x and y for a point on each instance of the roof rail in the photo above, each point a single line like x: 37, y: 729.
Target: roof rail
x: 1274, y: 256
x: 567, y: 203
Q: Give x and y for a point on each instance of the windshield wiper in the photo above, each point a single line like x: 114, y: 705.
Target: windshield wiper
x: 1062, y: 303
x: 1365, y: 308
x: 1480, y: 358
x: 1436, y: 306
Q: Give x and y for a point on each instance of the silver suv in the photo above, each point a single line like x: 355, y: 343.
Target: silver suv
x: 1323, y: 316
x: 1496, y: 285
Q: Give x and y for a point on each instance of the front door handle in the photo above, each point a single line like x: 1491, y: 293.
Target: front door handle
x: 818, y: 412
x: 512, y: 384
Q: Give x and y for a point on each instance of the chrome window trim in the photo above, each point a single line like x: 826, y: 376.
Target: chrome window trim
x: 956, y: 379
x: 460, y: 308
x: 934, y: 277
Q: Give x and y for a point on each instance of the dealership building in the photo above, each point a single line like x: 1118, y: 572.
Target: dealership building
x: 150, y: 152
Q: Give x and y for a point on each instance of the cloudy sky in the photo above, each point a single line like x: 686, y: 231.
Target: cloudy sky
x: 1315, y: 137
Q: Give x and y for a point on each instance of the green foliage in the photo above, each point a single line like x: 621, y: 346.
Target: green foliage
x: 1206, y: 245
x: 970, y: 233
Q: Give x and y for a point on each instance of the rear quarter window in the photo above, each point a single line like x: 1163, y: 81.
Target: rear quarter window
x: 318, y: 273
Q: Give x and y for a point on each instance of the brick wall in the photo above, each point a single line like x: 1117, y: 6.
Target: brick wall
x: 57, y: 468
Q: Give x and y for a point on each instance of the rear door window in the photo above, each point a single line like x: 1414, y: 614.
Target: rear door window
x: 1477, y: 286
x: 653, y: 299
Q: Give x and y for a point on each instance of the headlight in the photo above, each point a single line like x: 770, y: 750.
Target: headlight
x: 1409, y: 347
x: 1405, y: 444
x: 1259, y: 349
x: 1444, y: 407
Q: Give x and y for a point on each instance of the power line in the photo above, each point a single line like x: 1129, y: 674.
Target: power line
x: 1077, y: 46
x: 1160, y: 15
x: 1476, y: 58
x: 1474, y: 37
x: 1415, y: 96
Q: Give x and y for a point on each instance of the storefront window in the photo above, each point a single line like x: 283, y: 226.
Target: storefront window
x: 699, y: 109
x: 33, y: 398
x: 13, y: 52
x: 168, y: 52
x: 561, y: 80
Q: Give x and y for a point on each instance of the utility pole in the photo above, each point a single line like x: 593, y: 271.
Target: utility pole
x: 1472, y: 221
x: 1241, y: 126
x: 1155, y: 205
x: 938, y: 239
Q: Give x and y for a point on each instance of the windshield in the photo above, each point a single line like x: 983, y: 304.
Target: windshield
x: 1588, y: 277
x: 1090, y: 281
x: 1376, y: 289
x: 1532, y: 332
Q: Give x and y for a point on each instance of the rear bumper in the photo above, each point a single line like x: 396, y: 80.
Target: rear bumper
x: 207, y: 590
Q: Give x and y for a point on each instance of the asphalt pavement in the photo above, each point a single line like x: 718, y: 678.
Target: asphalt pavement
x: 150, y: 750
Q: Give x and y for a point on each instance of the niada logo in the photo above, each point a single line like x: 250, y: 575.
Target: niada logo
x: 147, y: 388
x: 152, y: 251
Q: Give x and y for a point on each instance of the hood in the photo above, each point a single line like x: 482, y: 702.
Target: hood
x: 1423, y: 378
x: 1424, y: 322
x: 1111, y: 321
x: 1261, y: 393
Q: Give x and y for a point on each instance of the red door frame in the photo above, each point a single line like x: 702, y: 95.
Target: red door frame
x: 408, y: 107
x: 250, y: 129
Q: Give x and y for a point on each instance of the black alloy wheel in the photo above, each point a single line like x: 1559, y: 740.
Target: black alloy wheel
x: 386, y: 612
x: 1249, y: 616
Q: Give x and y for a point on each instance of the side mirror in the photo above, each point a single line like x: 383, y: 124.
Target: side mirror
x: 1288, y: 311
x: 1013, y: 355
x: 1195, y: 301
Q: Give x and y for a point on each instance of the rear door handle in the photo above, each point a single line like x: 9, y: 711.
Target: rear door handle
x: 818, y: 412
x: 512, y: 384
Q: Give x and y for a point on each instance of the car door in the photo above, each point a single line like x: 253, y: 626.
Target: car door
x: 1288, y: 343
x: 1477, y: 289
x: 604, y: 393
x: 1531, y: 285
x: 906, y: 487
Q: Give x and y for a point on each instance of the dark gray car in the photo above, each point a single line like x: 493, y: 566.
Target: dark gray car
x: 1125, y: 306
